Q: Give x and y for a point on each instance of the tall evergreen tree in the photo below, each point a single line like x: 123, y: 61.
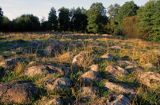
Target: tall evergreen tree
x: 78, y: 20
x: 64, y: 19
x: 1, y: 18
x: 6, y: 24
x: 52, y: 19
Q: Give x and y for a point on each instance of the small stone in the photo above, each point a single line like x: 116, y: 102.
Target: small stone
x: 58, y: 84
x: 51, y: 100
x: 115, y: 48
x: 126, y: 63
x: 119, y: 88
x: 107, y: 56
x: 36, y: 70
x: 78, y: 59
x: 118, y: 100
x: 89, y: 76
x: 150, y: 79
x: 94, y: 67
x: 149, y: 65
x: 32, y: 63
x: 42, y: 70
x: 116, y: 71
x: 83, y: 59
x: 129, y: 66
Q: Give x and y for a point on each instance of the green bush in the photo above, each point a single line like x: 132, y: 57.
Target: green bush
x: 149, y: 20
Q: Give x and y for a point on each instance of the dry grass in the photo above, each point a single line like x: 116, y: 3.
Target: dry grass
x: 65, y: 57
x: 19, y: 68
x: 28, y: 36
x: 142, y: 52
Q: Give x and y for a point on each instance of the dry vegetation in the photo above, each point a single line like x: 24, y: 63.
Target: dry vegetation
x: 81, y: 84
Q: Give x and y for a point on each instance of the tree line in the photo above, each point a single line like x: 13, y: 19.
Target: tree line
x: 127, y: 19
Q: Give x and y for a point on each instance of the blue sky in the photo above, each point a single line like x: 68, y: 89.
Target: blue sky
x: 40, y: 8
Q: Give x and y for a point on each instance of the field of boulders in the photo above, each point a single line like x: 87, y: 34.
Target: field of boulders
x: 80, y: 69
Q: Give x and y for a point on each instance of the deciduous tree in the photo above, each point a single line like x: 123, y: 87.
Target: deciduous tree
x: 26, y: 23
x: 96, y: 18
x: 127, y: 9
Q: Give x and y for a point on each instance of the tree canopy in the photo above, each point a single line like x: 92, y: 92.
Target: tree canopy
x: 127, y: 19
x: 113, y: 10
x: 149, y: 20
x: 64, y: 19
x: 52, y: 19
x: 127, y: 9
x: 118, y: 13
x: 112, y: 25
x: 26, y: 23
x: 6, y: 24
x: 78, y: 19
x: 1, y: 17
x: 96, y: 18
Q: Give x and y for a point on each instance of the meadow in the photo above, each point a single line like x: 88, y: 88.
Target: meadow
x: 78, y: 69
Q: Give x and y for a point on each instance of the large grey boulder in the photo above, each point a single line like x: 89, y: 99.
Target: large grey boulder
x: 42, y: 70
x: 89, y: 76
x: 118, y: 100
x: 116, y: 70
x: 51, y: 100
x: 17, y: 93
x: 58, y: 84
x: 119, y: 88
